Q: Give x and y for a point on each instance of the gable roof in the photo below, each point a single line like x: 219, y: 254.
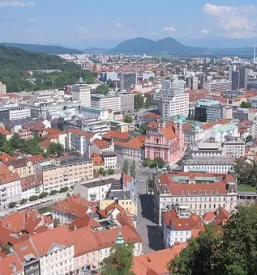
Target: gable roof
x: 77, y: 132
x: 102, y: 144
x: 10, y: 265
x: 6, y: 175
x: 45, y: 241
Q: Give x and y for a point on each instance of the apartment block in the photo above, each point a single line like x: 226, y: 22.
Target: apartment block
x: 65, y: 172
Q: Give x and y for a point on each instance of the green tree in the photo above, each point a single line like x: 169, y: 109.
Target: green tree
x: 230, y: 249
x: 246, y: 105
x: 148, y: 103
x: 133, y: 169
x: 53, y: 192
x: 110, y: 171
x: 101, y: 89
x: 143, y: 128
x: 63, y: 189
x: 54, y: 149
x: 249, y: 138
x: 101, y: 171
x: 128, y: 119
x: 23, y: 201
x: 159, y: 163
x: 56, y: 223
x: 33, y: 198
x: 2, y: 140
x: 148, y: 162
x: 125, y: 168
x: 12, y: 204
x: 120, y: 260
x: 43, y: 195
x: 138, y: 101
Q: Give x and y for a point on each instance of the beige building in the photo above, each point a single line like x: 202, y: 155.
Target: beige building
x: 65, y: 172
x: 126, y: 203
x: 22, y: 166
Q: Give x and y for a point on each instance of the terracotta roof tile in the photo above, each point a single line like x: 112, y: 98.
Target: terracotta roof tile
x: 116, y: 135
x: 102, y: 144
x: 78, y: 132
x: 8, y: 264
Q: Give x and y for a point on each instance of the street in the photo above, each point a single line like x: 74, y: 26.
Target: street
x: 147, y: 227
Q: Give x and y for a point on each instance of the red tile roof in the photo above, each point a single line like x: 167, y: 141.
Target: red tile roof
x: 43, y: 242
x: 4, y: 132
x: 6, y: 175
x: 10, y: 265
x: 116, y: 135
x: 102, y: 144
x: 77, y: 132
x: 24, y: 249
x: 84, y: 241
x: 211, y: 124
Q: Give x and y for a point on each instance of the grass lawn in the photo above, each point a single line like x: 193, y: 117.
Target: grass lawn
x: 246, y: 188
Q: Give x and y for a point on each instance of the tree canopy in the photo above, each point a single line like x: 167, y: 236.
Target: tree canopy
x: 16, y: 62
x: 246, y: 172
x: 120, y: 260
x: 230, y: 249
x: 246, y: 105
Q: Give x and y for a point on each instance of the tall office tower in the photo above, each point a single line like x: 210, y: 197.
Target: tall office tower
x: 235, y: 80
x: 243, y: 78
x: 172, y: 99
x: 127, y: 80
x: 81, y: 93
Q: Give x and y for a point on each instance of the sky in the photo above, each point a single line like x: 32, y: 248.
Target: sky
x: 101, y: 23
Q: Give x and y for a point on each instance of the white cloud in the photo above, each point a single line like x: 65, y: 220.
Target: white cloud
x: 234, y: 21
x: 16, y: 3
x: 118, y: 25
x: 169, y: 29
x: 205, y: 31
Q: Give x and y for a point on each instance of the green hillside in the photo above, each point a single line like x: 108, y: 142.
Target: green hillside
x: 15, y: 62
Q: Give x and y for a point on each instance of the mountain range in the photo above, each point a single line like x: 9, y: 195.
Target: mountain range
x: 171, y: 46
x: 48, y: 49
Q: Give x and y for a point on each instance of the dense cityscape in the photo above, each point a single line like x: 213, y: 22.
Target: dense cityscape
x: 140, y: 159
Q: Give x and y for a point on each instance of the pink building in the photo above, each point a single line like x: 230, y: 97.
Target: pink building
x: 164, y: 140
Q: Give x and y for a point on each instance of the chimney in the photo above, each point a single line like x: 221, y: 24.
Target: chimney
x: 75, y: 227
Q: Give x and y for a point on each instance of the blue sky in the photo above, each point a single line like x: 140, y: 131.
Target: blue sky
x: 83, y: 23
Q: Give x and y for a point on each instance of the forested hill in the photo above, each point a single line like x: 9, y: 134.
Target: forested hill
x: 43, y: 48
x: 15, y: 62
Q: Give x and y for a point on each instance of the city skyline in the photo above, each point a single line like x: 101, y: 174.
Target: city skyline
x: 105, y: 24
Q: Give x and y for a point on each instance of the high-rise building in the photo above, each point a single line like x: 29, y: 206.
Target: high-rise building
x: 235, y: 80
x: 172, y: 99
x: 126, y: 101
x: 243, y: 78
x: 211, y: 110
x: 127, y: 80
x: 106, y: 102
x: 81, y: 93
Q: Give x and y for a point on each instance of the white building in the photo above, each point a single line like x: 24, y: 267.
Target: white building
x: 106, y: 102
x: 199, y: 192
x: 81, y: 93
x: 94, y: 189
x: 56, y: 251
x: 234, y: 148
x: 178, y: 225
x: 209, y: 164
x: 2, y: 88
x: 110, y: 160
x: 96, y: 113
x: 216, y: 86
x: 10, y: 187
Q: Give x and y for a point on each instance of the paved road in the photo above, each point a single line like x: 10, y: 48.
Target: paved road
x: 147, y: 226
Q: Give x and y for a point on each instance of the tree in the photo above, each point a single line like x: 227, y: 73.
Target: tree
x: 101, y: 171
x: 125, y: 168
x: 63, y: 189
x: 12, y: 204
x: 249, y: 138
x: 128, y: 119
x: 246, y: 172
x: 120, y: 260
x: 138, y: 101
x: 53, y: 192
x: 23, y: 201
x: 143, y: 128
x: 2, y: 140
x: 230, y: 249
x: 54, y: 149
x: 43, y: 195
x: 101, y: 89
x: 159, y: 163
x: 110, y: 171
x: 133, y: 169
x: 246, y: 105
x: 56, y: 222
x: 200, y: 256
x: 148, y: 162
x: 33, y: 198
x: 148, y: 103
